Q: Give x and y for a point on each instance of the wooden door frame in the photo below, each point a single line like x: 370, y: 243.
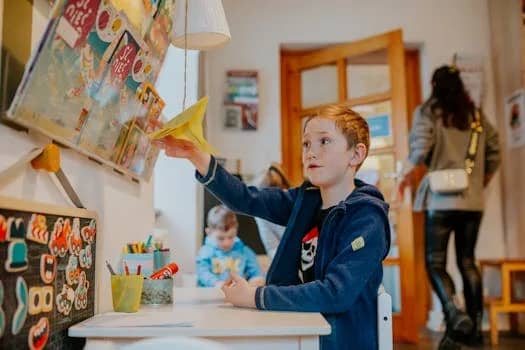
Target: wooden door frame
x: 416, y: 302
x: 414, y: 98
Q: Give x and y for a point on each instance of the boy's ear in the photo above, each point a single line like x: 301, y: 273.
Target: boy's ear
x: 358, y: 155
x: 207, y: 230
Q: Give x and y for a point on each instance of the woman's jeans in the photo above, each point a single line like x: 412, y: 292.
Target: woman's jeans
x: 438, y: 227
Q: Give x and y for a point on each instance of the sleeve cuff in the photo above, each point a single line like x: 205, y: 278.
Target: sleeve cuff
x: 259, y: 298
x: 210, y: 176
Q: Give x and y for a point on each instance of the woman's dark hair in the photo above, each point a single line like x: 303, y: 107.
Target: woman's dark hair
x: 450, y: 97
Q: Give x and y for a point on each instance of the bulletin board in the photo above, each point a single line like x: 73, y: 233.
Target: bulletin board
x: 89, y: 85
x: 47, y: 273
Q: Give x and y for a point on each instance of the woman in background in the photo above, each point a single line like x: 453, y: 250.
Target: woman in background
x: 440, y: 136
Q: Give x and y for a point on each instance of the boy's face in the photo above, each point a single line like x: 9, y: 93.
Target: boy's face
x: 326, y: 157
x: 224, y: 239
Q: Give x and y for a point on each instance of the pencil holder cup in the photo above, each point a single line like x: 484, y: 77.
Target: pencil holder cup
x: 126, y: 291
x: 160, y: 259
x: 157, y: 292
x: 133, y: 260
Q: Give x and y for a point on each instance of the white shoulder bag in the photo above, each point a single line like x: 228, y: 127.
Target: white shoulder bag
x: 450, y: 181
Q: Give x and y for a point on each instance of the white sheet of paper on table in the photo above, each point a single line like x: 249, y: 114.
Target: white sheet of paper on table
x: 143, y: 319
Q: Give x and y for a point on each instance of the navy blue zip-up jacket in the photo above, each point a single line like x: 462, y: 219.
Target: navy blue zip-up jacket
x: 354, y: 240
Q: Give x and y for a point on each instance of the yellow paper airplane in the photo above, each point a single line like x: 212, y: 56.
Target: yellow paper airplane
x: 187, y: 126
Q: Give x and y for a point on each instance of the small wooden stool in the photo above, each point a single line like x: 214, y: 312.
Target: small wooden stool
x: 506, y: 302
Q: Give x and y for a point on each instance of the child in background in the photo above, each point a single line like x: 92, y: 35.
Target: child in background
x: 337, y: 232
x: 224, y: 253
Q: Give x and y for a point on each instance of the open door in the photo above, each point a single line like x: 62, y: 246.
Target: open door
x: 370, y: 75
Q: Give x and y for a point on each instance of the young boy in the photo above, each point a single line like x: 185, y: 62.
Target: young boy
x: 337, y: 233
x: 223, y: 253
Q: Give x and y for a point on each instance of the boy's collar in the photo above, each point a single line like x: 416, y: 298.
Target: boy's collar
x: 308, y: 186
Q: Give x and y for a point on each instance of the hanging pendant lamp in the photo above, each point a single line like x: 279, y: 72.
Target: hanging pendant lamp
x: 206, y: 25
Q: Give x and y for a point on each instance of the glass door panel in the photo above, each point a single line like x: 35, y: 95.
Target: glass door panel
x: 394, y: 246
x: 368, y: 74
x: 379, y: 118
x: 312, y: 79
x: 379, y: 170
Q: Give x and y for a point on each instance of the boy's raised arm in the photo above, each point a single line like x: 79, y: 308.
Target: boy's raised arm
x: 274, y: 205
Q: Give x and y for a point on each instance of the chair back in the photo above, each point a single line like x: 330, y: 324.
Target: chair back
x: 384, y: 319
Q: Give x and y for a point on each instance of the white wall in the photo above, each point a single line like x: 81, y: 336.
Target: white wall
x: 508, y: 61
x: 125, y: 209
x: 176, y: 192
x: 258, y: 28
x: 507, y: 54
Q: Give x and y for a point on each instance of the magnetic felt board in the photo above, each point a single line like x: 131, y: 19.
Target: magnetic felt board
x: 47, y: 273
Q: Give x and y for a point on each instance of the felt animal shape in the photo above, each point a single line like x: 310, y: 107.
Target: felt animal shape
x: 75, y: 242
x: 65, y: 299
x: 81, y: 292
x: 37, y: 229
x: 86, y: 258
x: 89, y: 232
x: 59, y: 242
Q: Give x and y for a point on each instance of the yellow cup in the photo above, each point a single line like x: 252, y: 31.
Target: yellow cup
x: 126, y: 291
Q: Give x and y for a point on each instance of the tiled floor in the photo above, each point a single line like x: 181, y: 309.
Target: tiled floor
x: 430, y: 340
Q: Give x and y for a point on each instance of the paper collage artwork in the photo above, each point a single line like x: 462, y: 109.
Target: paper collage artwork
x: 83, y: 84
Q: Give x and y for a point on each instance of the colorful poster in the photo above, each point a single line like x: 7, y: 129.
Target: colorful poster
x: 77, y: 20
x: 515, y: 119
x: 84, y: 84
x: 379, y: 125
x: 241, y: 100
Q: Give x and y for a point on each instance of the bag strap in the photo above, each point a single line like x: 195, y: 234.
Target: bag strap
x: 477, y: 129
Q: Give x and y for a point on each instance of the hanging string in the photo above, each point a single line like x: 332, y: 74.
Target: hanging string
x: 185, y: 53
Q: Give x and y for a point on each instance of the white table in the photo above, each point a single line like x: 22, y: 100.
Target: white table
x: 201, y: 312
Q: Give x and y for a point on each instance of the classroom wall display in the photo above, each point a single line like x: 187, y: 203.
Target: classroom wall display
x: 90, y: 83
x: 241, y: 103
x: 515, y: 119
x: 47, y: 274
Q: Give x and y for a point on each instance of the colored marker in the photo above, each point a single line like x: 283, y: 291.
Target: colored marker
x: 111, y: 271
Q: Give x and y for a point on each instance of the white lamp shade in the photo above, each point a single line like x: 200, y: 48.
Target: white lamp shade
x: 207, y: 25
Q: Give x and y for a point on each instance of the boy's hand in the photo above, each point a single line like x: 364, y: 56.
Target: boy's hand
x: 256, y: 281
x: 178, y: 148
x: 239, y: 292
